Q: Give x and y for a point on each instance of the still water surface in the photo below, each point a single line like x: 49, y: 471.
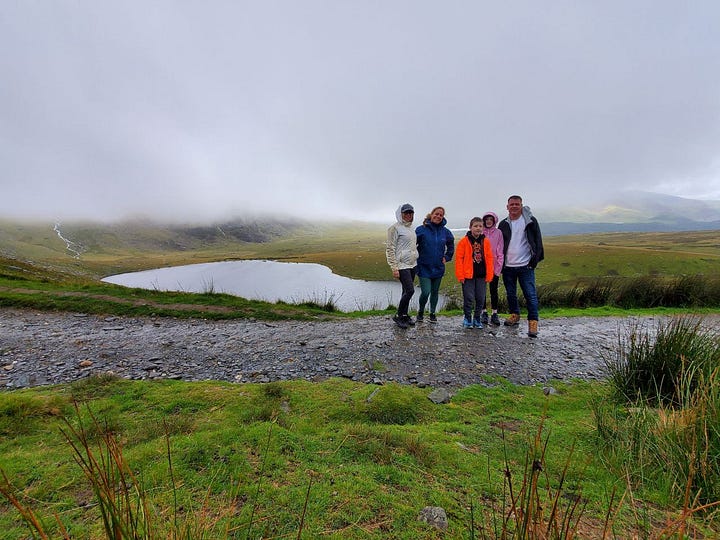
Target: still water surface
x: 270, y: 281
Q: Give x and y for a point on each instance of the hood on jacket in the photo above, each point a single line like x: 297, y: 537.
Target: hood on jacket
x: 494, y: 216
x: 527, y: 214
x: 398, y: 213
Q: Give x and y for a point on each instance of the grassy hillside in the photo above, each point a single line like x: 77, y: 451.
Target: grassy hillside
x: 37, y: 257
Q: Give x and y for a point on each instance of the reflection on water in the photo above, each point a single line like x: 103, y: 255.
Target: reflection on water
x: 270, y: 281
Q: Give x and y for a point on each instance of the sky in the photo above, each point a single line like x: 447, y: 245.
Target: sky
x: 207, y: 110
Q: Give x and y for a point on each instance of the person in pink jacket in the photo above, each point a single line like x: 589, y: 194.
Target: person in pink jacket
x: 494, y: 235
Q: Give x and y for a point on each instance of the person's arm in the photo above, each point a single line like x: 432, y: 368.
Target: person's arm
x: 390, y: 251
x: 449, y: 246
x: 489, y: 260
x: 499, y: 256
x: 460, y: 261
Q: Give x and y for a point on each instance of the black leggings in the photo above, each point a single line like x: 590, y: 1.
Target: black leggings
x: 494, y: 298
x: 407, y: 278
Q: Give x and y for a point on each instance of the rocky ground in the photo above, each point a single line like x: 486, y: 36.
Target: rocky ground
x: 40, y: 348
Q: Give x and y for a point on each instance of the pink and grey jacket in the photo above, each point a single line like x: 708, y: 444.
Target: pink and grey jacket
x: 495, y: 236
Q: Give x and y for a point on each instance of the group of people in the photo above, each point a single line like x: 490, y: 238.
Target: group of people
x: 511, y: 247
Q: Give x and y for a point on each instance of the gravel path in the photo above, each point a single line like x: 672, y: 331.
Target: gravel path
x: 40, y: 348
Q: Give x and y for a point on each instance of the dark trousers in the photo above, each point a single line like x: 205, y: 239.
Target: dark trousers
x: 473, y: 297
x: 407, y: 278
x: 494, y: 297
x: 526, y: 277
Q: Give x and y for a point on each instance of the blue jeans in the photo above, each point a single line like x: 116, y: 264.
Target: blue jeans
x: 429, y: 288
x: 526, y: 276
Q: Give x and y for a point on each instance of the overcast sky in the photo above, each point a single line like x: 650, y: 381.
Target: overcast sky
x: 204, y: 110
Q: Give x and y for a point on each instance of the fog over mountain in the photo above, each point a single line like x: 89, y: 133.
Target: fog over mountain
x: 205, y: 111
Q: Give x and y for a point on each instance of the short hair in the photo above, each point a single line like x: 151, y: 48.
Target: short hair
x: 474, y: 220
x: 511, y: 197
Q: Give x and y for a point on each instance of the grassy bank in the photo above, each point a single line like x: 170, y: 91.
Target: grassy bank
x: 329, y: 460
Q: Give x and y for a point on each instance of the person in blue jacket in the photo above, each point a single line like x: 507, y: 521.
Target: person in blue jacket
x: 436, y: 246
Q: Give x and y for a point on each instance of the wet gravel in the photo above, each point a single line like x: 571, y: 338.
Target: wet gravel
x: 42, y: 348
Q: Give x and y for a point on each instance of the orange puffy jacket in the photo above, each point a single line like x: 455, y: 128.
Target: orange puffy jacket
x: 464, y: 259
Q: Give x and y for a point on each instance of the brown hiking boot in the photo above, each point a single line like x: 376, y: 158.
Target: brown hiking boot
x: 532, y: 328
x: 512, y: 320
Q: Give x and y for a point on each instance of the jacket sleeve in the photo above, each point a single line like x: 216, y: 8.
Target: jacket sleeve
x: 460, y: 261
x: 498, y: 255
x: 537, y: 245
x: 449, y: 245
x: 390, y: 247
x: 489, y: 261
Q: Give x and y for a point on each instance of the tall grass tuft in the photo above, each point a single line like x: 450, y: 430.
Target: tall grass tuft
x: 669, y: 432
x: 650, y: 364
x: 535, y: 506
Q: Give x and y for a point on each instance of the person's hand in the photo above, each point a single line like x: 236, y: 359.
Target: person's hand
x: 396, y: 274
x: 443, y: 260
x: 462, y: 281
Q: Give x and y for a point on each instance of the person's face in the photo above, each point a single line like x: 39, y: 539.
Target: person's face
x: 476, y: 228
x: 489, y: 222
x: 437, y: 216
x: 408, y: 216
x: 514, y: 208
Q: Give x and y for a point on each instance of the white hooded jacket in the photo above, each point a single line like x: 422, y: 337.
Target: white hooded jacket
x: 401, y: 247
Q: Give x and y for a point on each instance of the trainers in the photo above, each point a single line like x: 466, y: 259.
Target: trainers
x: 512, y: 320
x: 400, y: 322
x: 467, y: 323
x: 477, y: 323
x: 484, y: 318
x: 408, y: 320
x: 433, y: 318
x: 532, y: 328
x: 420, y: 317
x: 495, y: 319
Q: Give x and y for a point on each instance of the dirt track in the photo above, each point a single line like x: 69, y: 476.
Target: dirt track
x: 39, y: 348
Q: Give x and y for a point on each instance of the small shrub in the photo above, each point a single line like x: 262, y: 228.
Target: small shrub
x: 19, y: 413
x: 274, y: 390
x: 641, y: 292
x: 94, y: 386
x: 394, y: 404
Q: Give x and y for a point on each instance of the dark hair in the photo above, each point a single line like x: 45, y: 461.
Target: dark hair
x: 514, y: 197
x: 474, y: 220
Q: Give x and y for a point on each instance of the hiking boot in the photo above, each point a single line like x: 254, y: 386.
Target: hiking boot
x: 484, y: 317
x: 420, y: 317
x: 512, y: 320
x: 494, y: 319
x: 467, y: 323
x: 477, y: 323
x: 433, y: 318
x: 400, y: 322
x: 408, y: 320
x: 532, y: 328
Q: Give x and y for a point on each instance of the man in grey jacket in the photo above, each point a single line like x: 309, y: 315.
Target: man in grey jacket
x: 401, y: 252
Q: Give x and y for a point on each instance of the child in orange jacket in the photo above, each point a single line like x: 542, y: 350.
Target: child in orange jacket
x: 473, y: 268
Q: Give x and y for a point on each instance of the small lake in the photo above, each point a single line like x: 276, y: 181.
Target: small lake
x: 271, y: 281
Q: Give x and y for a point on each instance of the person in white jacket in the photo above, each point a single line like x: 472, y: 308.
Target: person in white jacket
x: 402, y: 254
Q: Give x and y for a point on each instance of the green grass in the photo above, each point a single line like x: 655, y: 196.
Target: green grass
x: 370, y: 465
x: 42, y: 274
